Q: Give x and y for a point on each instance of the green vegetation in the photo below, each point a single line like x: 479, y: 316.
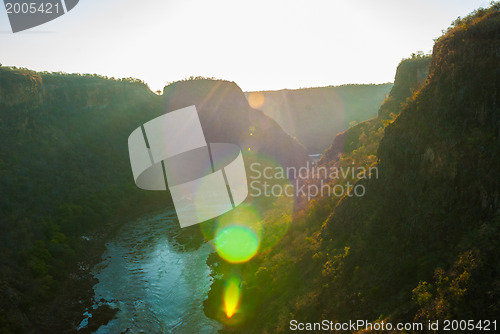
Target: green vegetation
x: 279, y: 274
x: 66, y: 183
x: 423, y: 243
x: 64, y: 175
x: 359, y: 144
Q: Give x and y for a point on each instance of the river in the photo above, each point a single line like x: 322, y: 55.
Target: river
x: 156, y: 285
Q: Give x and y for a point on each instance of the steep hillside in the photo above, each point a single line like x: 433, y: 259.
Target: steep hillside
x: 64, y: 175
x: 272, y: 273
x: 315, y: 115
x: 65, y: 178
x: 225, y: 113
x: 426, y: 233
x: 362, y: 140
x: 423, y: 242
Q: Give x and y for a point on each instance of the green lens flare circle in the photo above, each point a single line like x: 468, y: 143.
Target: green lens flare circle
x: 236, y: 243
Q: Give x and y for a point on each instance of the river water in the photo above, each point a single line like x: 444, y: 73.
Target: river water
x: 157, y: 287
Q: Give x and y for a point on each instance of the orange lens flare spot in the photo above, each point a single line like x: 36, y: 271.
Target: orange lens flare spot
x: 232, y: 295
x: 256, y: 100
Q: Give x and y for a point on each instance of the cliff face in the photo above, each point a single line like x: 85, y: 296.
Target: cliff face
x: 227, y: 117
x: 423, y: 242
x: 427, y: 230
x: 315, y: 115
x: 21, y: 87
x: 410, y: 77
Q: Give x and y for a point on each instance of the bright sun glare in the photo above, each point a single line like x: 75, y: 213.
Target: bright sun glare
x: 232, y: 295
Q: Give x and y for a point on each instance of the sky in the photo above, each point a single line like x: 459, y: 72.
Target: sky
x: 259, y: 44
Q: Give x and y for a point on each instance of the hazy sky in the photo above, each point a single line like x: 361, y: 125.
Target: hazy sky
x: 259, y: 44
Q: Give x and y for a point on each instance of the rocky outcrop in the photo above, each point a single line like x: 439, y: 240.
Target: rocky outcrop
x: 410, y: 77
x: 227, y: 117
x: 22, y: 87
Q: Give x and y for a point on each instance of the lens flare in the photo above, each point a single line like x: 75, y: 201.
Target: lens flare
x: 256, y: 100
x: 275, y: 209
x: 232, y: 295
x: 259, y: 223
x: 238, y: 235
x: 236, y: 244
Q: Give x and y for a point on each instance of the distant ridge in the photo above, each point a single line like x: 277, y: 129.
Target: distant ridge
x: 315, y: 115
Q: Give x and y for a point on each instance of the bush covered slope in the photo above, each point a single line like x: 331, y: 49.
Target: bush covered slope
x: 423, y: 243
x: 424, y: 240
x: 361, y: 141
x: 64, y: 174
x: 66, y: 182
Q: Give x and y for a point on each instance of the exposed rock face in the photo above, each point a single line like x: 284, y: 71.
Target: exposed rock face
x: 29, y: 89
x: 315, y: 115
x: 334, y: 152
x: 20, y: 88
x: 227, y: 117
x: 410, y: 76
